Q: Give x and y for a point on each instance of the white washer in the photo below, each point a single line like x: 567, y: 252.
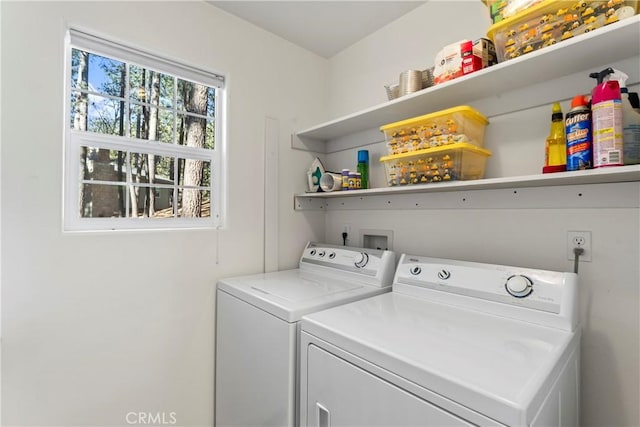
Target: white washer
x: 257, y: 331
x: 455, y: 343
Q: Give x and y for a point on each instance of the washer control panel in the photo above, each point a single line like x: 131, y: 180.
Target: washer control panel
x: 480, y: 286
x: 376, y: 264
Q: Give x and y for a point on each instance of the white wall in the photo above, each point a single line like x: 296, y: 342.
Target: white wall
x: 97, y: 325
x: 518, y: 233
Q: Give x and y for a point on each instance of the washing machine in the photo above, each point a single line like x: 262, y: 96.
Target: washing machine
x: 454, y: 344
x: 257, y: 328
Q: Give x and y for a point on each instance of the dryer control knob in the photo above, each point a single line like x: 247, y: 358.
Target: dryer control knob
x: 519, y: 286
x: 362, y: 259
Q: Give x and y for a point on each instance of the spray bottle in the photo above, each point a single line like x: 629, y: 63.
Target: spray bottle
x: 630, y: 120
x: 606, y: 109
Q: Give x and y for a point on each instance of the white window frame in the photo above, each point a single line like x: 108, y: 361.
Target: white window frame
x: 75, y: 139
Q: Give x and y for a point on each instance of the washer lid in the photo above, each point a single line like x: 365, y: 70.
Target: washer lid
x: 290, y: 294
x: 496, y: 366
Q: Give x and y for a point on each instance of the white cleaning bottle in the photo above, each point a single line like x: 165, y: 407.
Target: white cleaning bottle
x: 630, y: 120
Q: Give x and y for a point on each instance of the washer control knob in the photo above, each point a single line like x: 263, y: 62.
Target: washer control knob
x: 313, y: 252
x: 362, y: 259
x: 415, y: 270
x: 519, y: 286
x: 321, y: 253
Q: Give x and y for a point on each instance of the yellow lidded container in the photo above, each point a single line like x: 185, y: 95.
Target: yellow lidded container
x: 459, y: 161
x: 552, y: 21
x: 445, y: 127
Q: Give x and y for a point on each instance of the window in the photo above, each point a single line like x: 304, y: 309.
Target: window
x: 143, y: 140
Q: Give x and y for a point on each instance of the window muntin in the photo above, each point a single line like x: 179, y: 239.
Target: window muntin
x: 146, y: 141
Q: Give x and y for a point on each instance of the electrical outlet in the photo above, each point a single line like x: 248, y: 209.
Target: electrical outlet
x: 346, y: 234
x: 579, y: 239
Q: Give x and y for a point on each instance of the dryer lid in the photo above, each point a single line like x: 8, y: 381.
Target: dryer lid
x: 496, y: 366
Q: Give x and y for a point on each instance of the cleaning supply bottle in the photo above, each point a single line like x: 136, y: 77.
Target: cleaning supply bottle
x: 630, y: 120
x: 606, y: 116
x: 363, y: 168
x: 578, y: 135
x: 555, y: 147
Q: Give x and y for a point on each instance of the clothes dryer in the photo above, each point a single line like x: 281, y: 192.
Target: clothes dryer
x: 257, y: 327
x: 454, y: 344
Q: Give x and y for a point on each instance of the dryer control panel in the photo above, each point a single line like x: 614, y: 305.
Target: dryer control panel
x: 539, y: 296
x: 373, y: 266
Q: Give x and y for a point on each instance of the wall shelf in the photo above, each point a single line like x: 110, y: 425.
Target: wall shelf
x: 609, y: 44
x: 357, y: 199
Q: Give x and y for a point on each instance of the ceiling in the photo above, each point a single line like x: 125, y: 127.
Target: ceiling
x: 324, y: 27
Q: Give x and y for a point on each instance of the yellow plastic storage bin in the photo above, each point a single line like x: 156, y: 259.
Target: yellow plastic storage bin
x: 459, y: 161
x: 503, y: 9
x: 445, y: 127
x: 553, y: 21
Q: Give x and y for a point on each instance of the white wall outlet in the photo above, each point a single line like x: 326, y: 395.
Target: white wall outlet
x: 579, y: 239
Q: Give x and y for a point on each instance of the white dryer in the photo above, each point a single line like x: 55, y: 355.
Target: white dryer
x: 257, y: 330
x: 454, y: 344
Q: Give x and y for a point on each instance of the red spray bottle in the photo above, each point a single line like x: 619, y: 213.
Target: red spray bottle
x: 606, y: 108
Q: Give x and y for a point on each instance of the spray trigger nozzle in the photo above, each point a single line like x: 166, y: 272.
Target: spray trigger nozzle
x: 600, y: 76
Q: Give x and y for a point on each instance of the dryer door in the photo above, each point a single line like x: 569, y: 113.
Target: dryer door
x: 342, y: 394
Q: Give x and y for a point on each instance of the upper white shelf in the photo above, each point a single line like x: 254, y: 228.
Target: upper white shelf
x: 371, y: 198
x: 606, y: 45
x: 581, y: 177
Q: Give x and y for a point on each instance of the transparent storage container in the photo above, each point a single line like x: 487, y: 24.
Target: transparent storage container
x: 460, y: 161
x: 461, y: 124
x: 553, y: 21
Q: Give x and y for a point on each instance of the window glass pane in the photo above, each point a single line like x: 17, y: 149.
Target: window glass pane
x: 193, y: 130
x: 102, y: 200
x: 167, y: 84
x: 165, y: 126
x: 192, y: 97
x: 210, y: 137
x: 97, y: 73
x: 104, y: 115
x: 193, y: 203
x: 138, y: 121
x: 152, y: 169
x: 151, y: 201
x: 211, y: 102
x: 79, y: 106
x: 79, y: 69
x: 150, y: 123
x: 194, y: 173
x: 139, y: 166
x: 103, y: 164
x: 163, y: 202
x: 73, y: 111
x: 150, y: 86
